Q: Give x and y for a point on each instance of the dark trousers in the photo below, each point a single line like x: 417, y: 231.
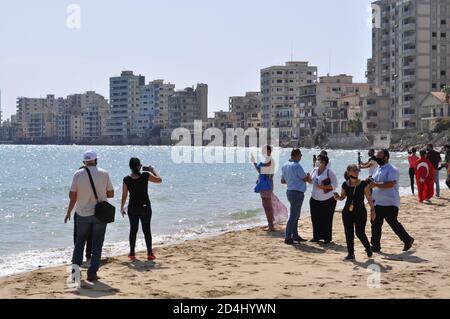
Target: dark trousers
x: 145, y: 217
x: 322, y: 214
x: 412, y: 177
x: 390, y: 214
x: 355, y: 222
x: 89, y: 239
x: 85, y: 226
x: 447, y: 182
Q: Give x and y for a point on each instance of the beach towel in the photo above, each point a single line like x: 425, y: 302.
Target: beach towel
x: 280, y: 212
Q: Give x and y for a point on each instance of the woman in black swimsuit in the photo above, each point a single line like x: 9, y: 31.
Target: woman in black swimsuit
x: 139, y: 207
x: 354, y: 215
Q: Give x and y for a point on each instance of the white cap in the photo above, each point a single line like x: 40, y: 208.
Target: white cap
x: 89, y: 156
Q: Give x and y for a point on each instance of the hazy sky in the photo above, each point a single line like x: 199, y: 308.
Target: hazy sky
x: 221, y: 43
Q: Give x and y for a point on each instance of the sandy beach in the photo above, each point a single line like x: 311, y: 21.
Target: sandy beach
x: 255, y: 264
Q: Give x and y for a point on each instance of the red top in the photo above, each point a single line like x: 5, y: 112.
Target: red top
x: 412, y: 159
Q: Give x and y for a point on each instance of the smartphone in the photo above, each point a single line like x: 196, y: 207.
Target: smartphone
x: 146, y: 169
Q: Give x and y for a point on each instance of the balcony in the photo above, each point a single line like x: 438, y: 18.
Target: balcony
x: 409, y: 78
x: 409, y: 27
x: 409, y: 39
x: 409, y: 52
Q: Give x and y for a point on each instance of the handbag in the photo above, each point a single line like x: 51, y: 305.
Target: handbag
x: 327, y: 182
x: 104, y: 211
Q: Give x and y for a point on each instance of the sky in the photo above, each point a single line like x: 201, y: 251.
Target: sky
x: 221, y: 43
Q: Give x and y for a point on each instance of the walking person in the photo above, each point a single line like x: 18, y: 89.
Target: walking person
x: 354, y: 215
x: 264, y: 185
x: 435, y: 158
x: 322, y: 203
x: 412, y: 160
x: 139, y: 206
x: 371, y: 164
x: 425, y: 174
x: 82, y: 198
x: 386, y: 198
x: 294, y: 176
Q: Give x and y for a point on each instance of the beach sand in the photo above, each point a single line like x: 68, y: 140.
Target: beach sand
x: 255, y: 264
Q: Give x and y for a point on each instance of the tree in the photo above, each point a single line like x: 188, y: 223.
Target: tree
x: 446, y: 91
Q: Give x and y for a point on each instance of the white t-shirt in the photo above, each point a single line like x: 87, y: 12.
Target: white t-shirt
x: 269, y: 170
x: 317, y: 193
x: 81, y: 185
x: 373, y: 167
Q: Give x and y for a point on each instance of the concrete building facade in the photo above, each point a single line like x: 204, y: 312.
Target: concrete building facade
x: 410, y: 55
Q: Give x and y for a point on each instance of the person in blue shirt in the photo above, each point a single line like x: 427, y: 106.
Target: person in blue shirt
x: 295, y: 178
x: 386, y: 199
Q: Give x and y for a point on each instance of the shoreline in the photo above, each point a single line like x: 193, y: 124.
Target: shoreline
x: 166, y: 241
x: 254, y: 264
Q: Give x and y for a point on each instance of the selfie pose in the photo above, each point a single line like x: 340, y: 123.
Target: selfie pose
x: 139, y: 206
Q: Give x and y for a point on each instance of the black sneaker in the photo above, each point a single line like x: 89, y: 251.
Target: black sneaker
x: 314, y: 240
x: 369, y: 253
x: 408, y: 245
x: 300, y: 240
x: 289, y: 242
x: 350, y: 257
x: 376, y: 250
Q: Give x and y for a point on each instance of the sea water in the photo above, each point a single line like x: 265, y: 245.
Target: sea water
x: 194, y: 200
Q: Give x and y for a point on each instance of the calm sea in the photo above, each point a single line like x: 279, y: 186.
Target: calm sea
x: 194, y: 200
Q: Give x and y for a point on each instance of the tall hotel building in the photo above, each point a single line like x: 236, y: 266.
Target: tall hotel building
x: 411, y: 55
x: 124, y: 100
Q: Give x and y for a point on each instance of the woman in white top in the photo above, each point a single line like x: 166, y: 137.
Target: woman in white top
x: 322, y: 203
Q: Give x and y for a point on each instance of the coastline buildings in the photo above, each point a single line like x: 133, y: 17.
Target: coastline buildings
x: 124, y: 100
x: 433, y: 107
x: 410, y: 55
x: 78, y: 117
x: 327, y: 106
x: 246, y: 110
x: 153, y: 107
x: 280, y: 90
x: 187, y: 106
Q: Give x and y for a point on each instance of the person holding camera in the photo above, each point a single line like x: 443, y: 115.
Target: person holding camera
x: 322, y: 203
x: 354, y: 215
x: 371, y: 164
x: 139, y: 206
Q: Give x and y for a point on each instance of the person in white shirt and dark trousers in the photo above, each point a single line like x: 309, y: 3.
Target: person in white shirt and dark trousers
x: 322, y: 203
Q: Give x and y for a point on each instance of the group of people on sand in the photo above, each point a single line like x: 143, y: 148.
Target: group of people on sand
x: 89, y: 231
x: 380, y: 191
x: 425, y: 171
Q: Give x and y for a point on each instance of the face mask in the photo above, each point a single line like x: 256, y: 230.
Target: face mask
x: 380, y: 161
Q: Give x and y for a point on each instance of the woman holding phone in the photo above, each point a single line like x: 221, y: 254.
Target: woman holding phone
x: 354, y: 215
x: 139, y: 207
x: 322, y: 203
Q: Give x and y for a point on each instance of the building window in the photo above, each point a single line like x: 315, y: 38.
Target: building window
x: 443, y: 22
x: 443, y: 73
x: 434, y: 47
x: 434, y: 34
x: 443, y: 35
x: 433, y: 85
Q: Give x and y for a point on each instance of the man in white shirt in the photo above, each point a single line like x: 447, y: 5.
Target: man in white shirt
x: 82, y: 198
x: 371, y: 164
